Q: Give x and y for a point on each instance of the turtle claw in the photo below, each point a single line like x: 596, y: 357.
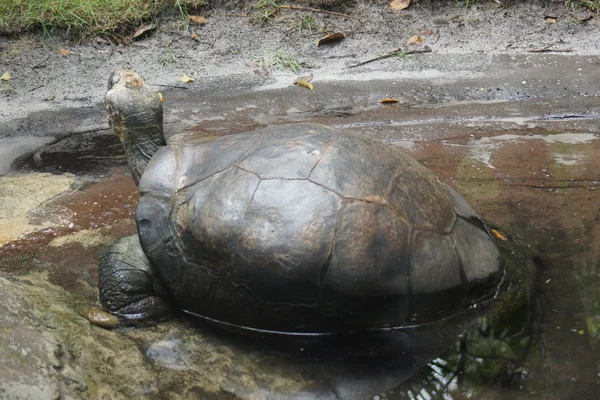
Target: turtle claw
x: 149, y: 308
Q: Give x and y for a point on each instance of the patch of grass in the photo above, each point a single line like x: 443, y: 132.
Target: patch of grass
x: 287, y: 61
x: 182, y: 11
x: 86, y: 17
x: 574, y: 5
x: 168, y: 58
x: 281, y: 60
x: 264, y: 11
x: 307, y: 23
x: 592, y: 5
x: 465, y: 3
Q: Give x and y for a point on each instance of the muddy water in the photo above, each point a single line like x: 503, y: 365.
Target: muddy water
x: 529, y: 168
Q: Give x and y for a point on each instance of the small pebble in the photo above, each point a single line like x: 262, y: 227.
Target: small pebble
x: 102, y: 318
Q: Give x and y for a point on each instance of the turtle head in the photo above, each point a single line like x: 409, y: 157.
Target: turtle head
x: 135, y: 116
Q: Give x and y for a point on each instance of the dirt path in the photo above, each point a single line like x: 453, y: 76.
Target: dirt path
x: 229, y: 45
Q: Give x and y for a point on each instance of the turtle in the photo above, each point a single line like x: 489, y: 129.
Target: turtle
x: 298, y: 229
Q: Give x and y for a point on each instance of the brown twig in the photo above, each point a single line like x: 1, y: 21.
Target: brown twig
x: 396, y: 52
x: 316, y: 10
x: 548, y: 49
x: 36, y: 88
x: 41, y: 64
x: 215, y: 41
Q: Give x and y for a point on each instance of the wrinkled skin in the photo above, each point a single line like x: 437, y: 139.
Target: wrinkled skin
x: 135, y: 116
x: 127, y: 287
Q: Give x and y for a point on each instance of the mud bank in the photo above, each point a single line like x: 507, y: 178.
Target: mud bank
x: 230, y: 46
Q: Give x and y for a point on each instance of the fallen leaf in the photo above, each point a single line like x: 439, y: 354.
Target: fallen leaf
x: 195, y: 37
x: 198, y: 19
x: 160, y: 96
x: 416, y: 39
x: 399, y: 4
x: 389, y: 100
x: 143, y: 29
x: 186, y: 79
x: 550, y: 20
x: 64, y: 52
x: 332, y: 37
x: 303, y: 82
x: 6, y: 76
x: 498, y: 235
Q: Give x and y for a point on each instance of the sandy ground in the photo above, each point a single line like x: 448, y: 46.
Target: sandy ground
x: 230, y: 46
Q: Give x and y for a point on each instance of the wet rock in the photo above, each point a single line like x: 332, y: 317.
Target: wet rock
x: 49, y: 350
x: 30, y: 356
x: 12, y: 147
x: 21, y: 198
x: 102, y: 318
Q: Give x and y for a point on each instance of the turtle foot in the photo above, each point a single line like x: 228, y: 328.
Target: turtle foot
x: 127, y: 285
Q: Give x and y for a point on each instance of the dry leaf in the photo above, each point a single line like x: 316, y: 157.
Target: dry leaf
x: 6, y: 76
x: 195, y: 37
x: 143, y: 29
x: 303, y: 82
x: 416, y: 39
x: 198, y: 19
x: 399, y: 4
x: 550, y: 20
x: 332, y: 37
x: 186, y: 79
x: 498, y: 235
x: 64, y: 52
x: 389, y: 100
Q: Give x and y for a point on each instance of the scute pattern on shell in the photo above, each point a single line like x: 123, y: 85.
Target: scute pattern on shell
x: 307, y: 228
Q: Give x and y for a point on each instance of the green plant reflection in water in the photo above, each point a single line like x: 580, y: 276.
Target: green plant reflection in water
x: 490, y: 354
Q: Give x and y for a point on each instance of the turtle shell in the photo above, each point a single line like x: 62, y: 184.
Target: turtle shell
x: 310, y: 229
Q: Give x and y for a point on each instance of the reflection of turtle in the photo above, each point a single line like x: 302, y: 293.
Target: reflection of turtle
x: 291, y: 229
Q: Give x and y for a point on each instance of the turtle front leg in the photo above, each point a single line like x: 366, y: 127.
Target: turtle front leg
x: 127, y: 286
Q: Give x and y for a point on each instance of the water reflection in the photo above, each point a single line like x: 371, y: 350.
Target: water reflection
x: 543, y: 190
x: 485, y: 356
